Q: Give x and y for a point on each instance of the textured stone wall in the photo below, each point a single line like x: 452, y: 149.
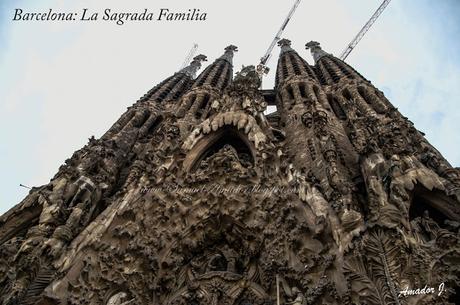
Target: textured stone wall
x: 194, y: 196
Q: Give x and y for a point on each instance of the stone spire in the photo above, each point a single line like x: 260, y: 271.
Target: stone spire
x: 229, y: 51
x: 285, y: 45
x: 290, y: 63
x: 330, y: 69
x: 219, y: 73
x: 194, y: 66
x: 315, y: 49
x: 369, y: 191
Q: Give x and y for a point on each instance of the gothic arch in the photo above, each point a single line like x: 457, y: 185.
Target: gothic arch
x: 237, y: 129
x: 439, y: 206
x: 240, y: 121
x: 215, y: 141
x: 336, y: 107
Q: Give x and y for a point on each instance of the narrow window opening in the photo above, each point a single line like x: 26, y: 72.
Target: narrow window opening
x: 181, y: 89
x: 294, y: 64
x: 277, y: 75
x: 320, y: 75
x: 307, y: 69
x: 290, y: 92
x: 140, y: 120
x: 331, y: 72
x: 202, y: 108
x: 204, y: 76
x: 283, y: 64
x: 190, y: 102
x: 364, y: 94
x: 154, y: 126
x: 316, y: 91
x: 303, y: 92
x: 342, y: 68
x: 346, y: 94
x: 228, y: 76
x: 336, y: 107
x: 217, y: 75
x: 162, y: 95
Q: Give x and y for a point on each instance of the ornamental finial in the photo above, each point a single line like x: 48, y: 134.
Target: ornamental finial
x: 194, y: 66
x: 285, y: 45
x: 229, y: 51
x: 315, y: 49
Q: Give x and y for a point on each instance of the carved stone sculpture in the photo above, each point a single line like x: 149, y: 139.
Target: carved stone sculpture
x: 196, y: 196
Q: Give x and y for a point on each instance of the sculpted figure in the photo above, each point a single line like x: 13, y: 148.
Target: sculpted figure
x: 294, y: 294
x: 49, y: 217
x: 231, y: 257
x: 119, y: 299
x: 226, y: 158
x: 247, y: 79
x: 28, y: 256
x: 425, y: 227
x: 82, y: 206
x: 430, y: 226
x: 394, y: 170
x: 299, y: 297
x: 430, y: 159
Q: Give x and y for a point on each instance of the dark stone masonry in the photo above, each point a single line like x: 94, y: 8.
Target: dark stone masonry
x: 195, y: 196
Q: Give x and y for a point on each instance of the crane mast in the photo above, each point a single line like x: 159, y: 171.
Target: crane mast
x: 262, y: 66
x: 363, y: 31
x: 190, y: 55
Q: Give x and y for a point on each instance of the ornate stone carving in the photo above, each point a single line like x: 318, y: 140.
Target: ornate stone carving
x: 171, y: 207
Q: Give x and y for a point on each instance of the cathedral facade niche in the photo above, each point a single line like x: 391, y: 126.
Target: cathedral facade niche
x: 225, y: 143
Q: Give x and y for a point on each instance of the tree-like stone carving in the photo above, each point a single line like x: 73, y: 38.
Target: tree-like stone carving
x: 195, y: 196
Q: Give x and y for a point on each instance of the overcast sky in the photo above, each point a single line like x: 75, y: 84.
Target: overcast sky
x: 62, y: 82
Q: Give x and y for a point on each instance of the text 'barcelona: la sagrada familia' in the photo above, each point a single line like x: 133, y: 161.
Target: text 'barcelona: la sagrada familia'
x: 195, y: 196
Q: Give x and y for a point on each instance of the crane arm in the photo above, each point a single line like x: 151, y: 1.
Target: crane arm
x: 266, y: 57
x: 363, y: 31
x: 190, y: 55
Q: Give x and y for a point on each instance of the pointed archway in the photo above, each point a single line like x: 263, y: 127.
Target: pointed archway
x: 225, y: 137
x: 435, y: 203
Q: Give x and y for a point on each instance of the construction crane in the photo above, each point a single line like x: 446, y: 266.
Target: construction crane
x: 262, y: 66
x: 190, y: 55
x: 363, y: 31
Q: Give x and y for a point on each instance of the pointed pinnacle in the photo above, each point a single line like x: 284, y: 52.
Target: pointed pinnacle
x: 229, y: 51
x: 194, y: 66
x: 312, y: 44
x: 315, y: 49
x: 285, y: 45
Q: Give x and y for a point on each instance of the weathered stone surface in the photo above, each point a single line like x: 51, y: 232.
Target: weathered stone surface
x: 194, y: 196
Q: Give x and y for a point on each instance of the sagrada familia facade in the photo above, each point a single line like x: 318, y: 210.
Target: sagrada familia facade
x: 195, y: 196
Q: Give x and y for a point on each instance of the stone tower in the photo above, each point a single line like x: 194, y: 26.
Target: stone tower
x: 195, y: 196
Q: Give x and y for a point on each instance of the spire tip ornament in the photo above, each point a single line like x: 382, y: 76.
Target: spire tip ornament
x: 312, y: 44
x: 284, y: 42
x: 194, y: 66
x: 285, y: 45
x: 315, y: 50
x: 229, y: 51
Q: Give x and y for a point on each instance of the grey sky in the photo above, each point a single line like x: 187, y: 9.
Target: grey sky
x: 62, y: 82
